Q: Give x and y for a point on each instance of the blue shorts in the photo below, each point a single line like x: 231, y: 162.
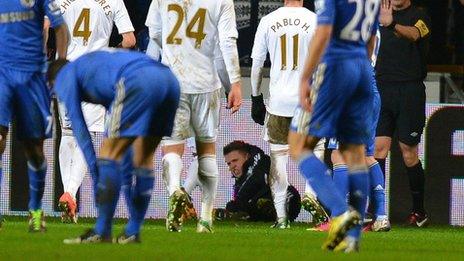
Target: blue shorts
x: 343, y: 100
x: 25, y: 96
x: 370, y: 146
x: 145, y: 104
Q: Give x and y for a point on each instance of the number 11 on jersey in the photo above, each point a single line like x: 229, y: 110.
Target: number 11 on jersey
x: 283, y: 51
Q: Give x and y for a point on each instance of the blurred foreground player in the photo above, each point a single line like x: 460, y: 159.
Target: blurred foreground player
x: 188, y: 33
x: 90, y: 24
x: 141, y: 96
x: 23, y: 90
x: 338, y: 103
x: 376, y: 176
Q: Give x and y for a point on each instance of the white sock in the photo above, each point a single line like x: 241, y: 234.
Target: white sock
x: 72, y: 165
x: 172, y: 168
x: 278, y: 179
x: 319, y: 151
x: 208, y: 174
x: 192, y: 180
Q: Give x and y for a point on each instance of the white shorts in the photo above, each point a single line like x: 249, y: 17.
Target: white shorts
x: 197, y: 116
x: 94, y: 115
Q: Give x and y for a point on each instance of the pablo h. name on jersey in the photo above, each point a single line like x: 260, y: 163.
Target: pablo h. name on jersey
x: 103, y: 4
x: 285, y: 22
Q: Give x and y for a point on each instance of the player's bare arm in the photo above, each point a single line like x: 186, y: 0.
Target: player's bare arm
x: 316, y: 49
x: 62, y: 39
x: 412, y: 33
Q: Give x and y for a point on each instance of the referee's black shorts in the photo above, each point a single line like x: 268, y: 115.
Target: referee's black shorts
x: 402, y: 110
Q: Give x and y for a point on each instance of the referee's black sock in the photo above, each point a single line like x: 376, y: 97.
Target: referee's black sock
x: 382, y: 165
x: 416, y: 185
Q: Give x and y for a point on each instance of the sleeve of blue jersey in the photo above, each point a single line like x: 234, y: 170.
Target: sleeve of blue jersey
x: 66, y: 89
x: 325, y: 10
x: 53, y: 12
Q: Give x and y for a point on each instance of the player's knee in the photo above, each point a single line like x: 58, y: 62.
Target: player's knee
x: 410, y: 155
x: 207, y: 166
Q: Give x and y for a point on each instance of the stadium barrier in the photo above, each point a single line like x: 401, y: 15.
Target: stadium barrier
x: 442, y: 153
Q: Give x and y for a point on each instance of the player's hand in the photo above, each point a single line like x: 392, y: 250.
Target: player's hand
x: 386, y: 13
x: 258, y: 109
x: 234, y: 101
x: 305, y: 95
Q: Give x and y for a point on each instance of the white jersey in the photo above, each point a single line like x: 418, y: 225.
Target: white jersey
x: 286, y: 34
x: 90, y: 23
x: 188, y: 32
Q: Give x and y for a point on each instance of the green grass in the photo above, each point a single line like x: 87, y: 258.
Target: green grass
x: 231, y: 241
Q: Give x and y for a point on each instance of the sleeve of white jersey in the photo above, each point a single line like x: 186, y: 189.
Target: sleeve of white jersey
x: 153, y: 21
x: 259, y: 52
x: 122, y: 19
x: 228, y: 34
x: 260, y: 47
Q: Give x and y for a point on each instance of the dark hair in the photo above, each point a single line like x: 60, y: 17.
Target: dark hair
x: 54, y: 68
x: 239, y: 145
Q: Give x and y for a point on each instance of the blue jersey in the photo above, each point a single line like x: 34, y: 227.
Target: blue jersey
x: 21, y: 32
x: 140, y: 95
x: 353, y: 23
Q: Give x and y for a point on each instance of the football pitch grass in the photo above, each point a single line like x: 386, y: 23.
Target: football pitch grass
x: 231, y: 241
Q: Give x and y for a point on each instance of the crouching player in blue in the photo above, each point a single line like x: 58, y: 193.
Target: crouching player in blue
x: 338, y: 103
x: 141, y: 97
x: 23, y: 90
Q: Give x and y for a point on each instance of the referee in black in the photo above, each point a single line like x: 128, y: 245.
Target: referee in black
x: 400, y: 71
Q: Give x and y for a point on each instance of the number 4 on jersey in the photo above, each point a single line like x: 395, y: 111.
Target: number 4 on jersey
x: 83, y: 21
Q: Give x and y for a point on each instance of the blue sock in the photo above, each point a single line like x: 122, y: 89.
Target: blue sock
x: 359, y: 191
x: 340, y: 178
x: 140, y: 197
x: 126, y: 170
x: 377, y: 185
x: 317, y: 174
x: 36, y: 184
x: 109, y: 185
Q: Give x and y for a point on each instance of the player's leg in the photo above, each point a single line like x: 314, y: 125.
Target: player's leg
x: 411, y: 123
x: 205, y: 123
x: 315, y: 171
x: 208, y: 175
x: 192, y: 180
x: 32, y: 104
x: 277, y: 135
x: 73, y: 168
x: 386, y: 123
x: 376, y: 176
x: 353, y: 133
x: 143, y: 149
x: 340, y: 172
x: 310, y: 202
x: 377, y: 195
x: 173, y: 149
